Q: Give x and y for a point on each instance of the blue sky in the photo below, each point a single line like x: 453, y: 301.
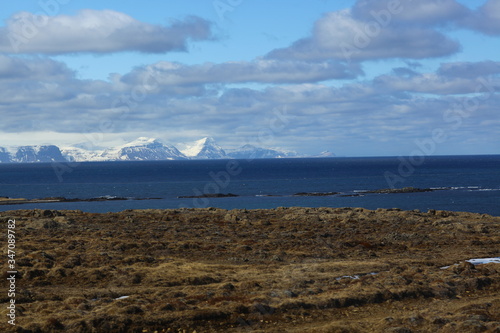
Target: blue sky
x: 358, y: 78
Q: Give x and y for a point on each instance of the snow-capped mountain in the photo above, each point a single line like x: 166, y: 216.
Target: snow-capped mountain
x: 75, y: 154
x: 143, y: 149
x: 205, y: 148
x: 33, y: 154
x: 252, y: 152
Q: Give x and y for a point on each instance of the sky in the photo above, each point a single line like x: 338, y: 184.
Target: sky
x: 356, y: 78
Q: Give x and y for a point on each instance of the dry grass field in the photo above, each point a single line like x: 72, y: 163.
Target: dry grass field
x: 280, y: 270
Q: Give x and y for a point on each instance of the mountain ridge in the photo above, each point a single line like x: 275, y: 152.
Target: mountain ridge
x: 32, y: 154
x: 249, y: 151
x: 140, y: 149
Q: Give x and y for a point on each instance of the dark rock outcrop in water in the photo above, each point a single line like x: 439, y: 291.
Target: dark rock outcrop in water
x: 209, y: 195
x: 400, y: 190
x: 19, y: 201
x: 315, y: 194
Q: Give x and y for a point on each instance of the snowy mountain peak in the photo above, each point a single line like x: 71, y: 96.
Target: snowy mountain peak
x: 143, y: 141
x: 205, y: 148
x: 143, y: 149
x: 194, y: 149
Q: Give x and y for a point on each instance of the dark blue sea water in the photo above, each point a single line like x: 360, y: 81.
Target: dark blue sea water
x: 467, y: 183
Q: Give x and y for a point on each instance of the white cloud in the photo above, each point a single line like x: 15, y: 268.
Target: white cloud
x: 97, y: 31
x: 339, y: 35
x: 432, y: 83
x: 455, y: 78
x: 260, y: 71
x: 13, y: 68
x: 421, y: 12
x: 470, y: 70
x: 485, y: 19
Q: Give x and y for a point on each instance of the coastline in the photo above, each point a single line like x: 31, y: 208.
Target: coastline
x: 268, y: 270
x: 21, y: 201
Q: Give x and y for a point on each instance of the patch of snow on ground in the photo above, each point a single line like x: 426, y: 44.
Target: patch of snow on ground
x: 484, y: 261
x: 478, y: 261
x: 122, y: 297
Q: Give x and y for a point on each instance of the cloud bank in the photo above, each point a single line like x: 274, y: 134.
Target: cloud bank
x: 388, y: 29
x: 97, y: 31
x: 486, y: 19
x: 259, y: 71
x: 403, y: 104
x: 343, y: 36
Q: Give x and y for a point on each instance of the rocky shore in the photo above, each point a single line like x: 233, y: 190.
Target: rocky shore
x: 20, y: 201
x: 279, y: 270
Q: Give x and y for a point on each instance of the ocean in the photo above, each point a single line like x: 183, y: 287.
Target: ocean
x: 459, y: 183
